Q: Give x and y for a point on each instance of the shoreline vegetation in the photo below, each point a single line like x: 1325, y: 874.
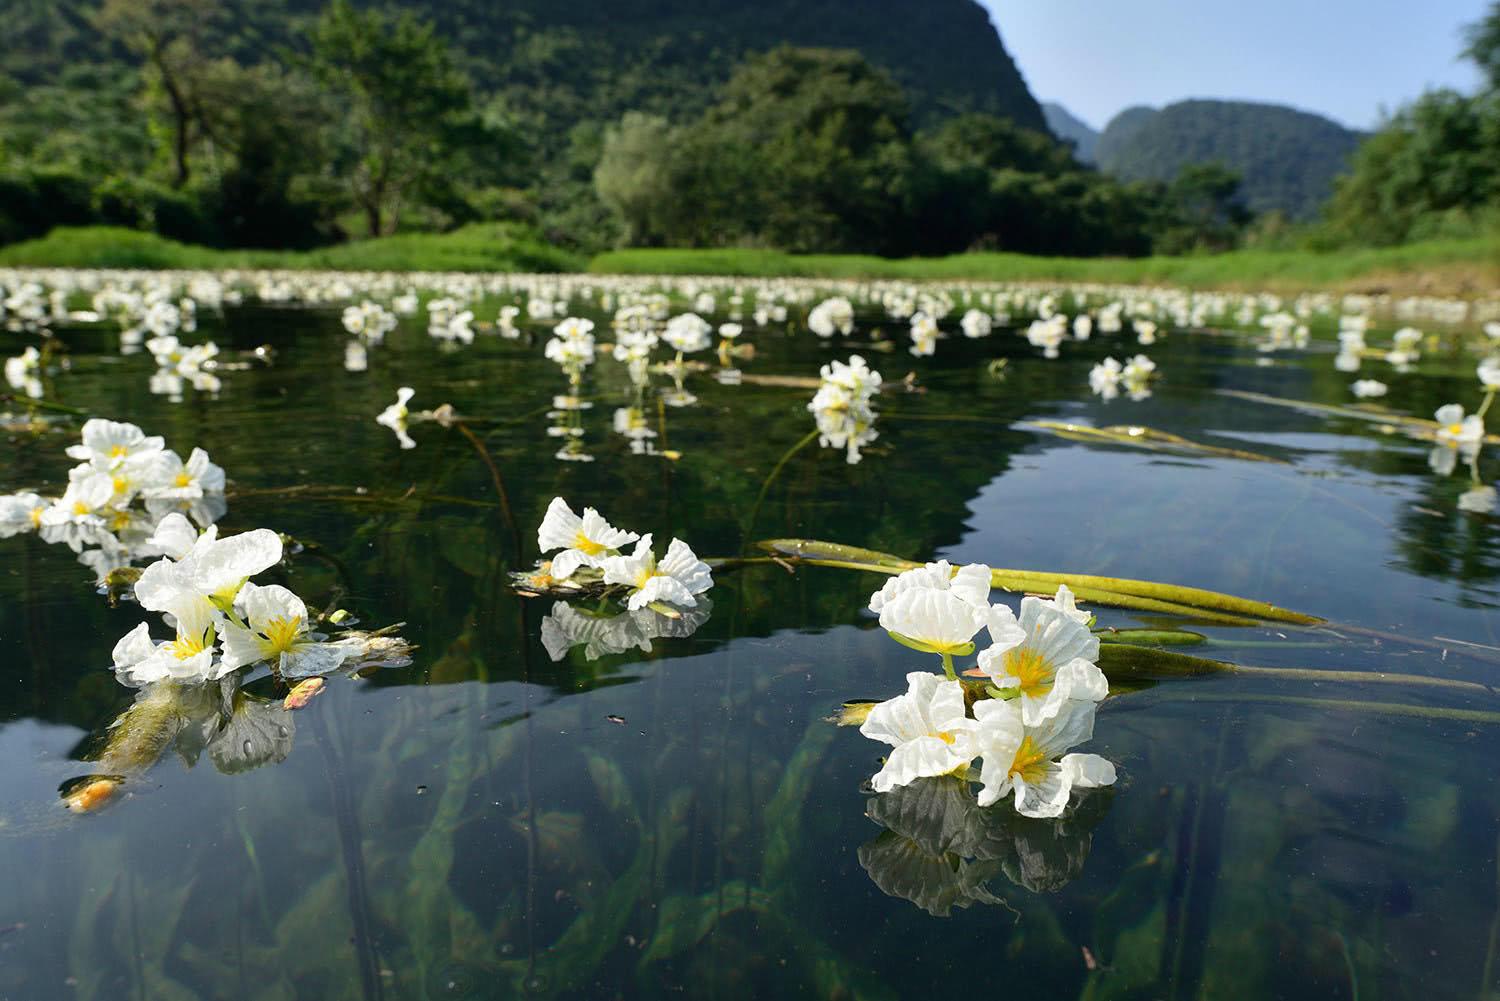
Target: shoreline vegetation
x: 1456, y: 267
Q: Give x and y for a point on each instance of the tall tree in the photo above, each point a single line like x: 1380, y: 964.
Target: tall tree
x: 170, y: 37
x: 410, y: 108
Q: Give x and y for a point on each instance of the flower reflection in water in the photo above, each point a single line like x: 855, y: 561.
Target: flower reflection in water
x: 940, y: 849
x: 566, y: 627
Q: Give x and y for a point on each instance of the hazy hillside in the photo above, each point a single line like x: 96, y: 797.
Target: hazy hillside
x: 1286, y: 158
x: 1071, y: 129
x: 558, y: 62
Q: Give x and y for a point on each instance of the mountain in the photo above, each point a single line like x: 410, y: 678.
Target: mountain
x: 1069, y: 128
x: 1286, y: 159
x: 555, y: 63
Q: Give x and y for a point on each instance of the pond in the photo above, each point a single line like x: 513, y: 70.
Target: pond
x: 541, y: 799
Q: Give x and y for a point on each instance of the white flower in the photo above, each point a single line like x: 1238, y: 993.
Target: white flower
x: 1048, y: 656
x: 210, y: 576
x: 971, y: 583
x: 1104, y: 378
x: 585, y: 541
x: 976, y: 323
x: 1489, y: 373
x: 687, y: 333
x: 924, y: 335
x: 77, y: 518
x: 1456, y: 429
x: 932, y: 620
x: 276, y: 631
x: 174, y: 537
x: 21, y: 513
x: 829, y: 317
x: 107, y: 444
x: 1367, y: 389
x: 189, y: 658
x: 395, y: 415
x: 21, y: 371
x: 1031, y: 763
x: 927, y: 728
x: 675, y: 580
x: 1145, y: 331
x: 187, y: 480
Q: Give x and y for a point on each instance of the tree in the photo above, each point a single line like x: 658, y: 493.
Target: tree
x: 410, y: 110
x: 169, y: 36
x: 1483, y: 46
x: 826, y: 135
x: 635, y: 175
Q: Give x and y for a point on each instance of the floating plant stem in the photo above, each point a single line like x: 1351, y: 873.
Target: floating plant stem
x: 1136, y: 436
x: 1117, y: 592
x: 1128, y: 662
x: 1342, y: 705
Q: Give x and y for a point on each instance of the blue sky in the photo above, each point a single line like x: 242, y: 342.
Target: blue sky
x: 1342, y: 58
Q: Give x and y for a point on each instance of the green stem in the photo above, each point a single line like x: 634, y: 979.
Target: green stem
x: 948, y: 667
x: 1114, y: 591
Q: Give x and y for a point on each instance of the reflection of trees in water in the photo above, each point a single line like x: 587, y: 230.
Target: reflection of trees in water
x: 940, y: 849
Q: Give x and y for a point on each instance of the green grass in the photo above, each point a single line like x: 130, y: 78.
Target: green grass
x: 480, y: 247
x: 1466, y: 266
x: 1440, y: 265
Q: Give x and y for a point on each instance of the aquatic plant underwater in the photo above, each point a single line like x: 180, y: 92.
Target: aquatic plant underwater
x: 995, y: 767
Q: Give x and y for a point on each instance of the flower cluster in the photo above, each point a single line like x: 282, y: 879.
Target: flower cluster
x: 1043, y: 689
x: 1136, y: 374
x: 126, y: 485
x: 842, y: 406
x: 832, y: 316
x: 592, y: 554
x: 179, y: 364
x: 220, y: 621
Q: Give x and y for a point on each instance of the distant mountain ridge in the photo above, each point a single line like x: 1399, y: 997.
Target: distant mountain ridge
x: 1070, y: 128
x: 1287, y: 159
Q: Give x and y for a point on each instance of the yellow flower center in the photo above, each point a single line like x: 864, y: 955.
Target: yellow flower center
x: 121, y: 484
x: 184, y: 647
x: 281, y: 633
x: 945, y: 736
x: 584, y: 544
x: 118, y: 452
x: 36, y: 517
x: 1455, y: 429
x: 1035, y: 672
x: 120, y: 521
x: 183, y: 479
x: 80, y: 508
x: 644, y: 576
x: 1030, y: 762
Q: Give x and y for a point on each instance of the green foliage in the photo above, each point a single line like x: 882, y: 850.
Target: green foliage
x: 1434, y: 167
x: 480, y: 247
x: 411, y: 119
x: 1429, y: 265
x: 1483, y: 47
x: 1286, y: 159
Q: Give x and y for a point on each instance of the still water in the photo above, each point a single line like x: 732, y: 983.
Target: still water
x: 494, y: 822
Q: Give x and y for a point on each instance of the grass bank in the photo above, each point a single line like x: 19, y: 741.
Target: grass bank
x: 480, y: 247
x: 1440, y: 267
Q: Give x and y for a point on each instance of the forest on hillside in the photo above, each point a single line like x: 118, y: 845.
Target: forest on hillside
x: 799, y: 126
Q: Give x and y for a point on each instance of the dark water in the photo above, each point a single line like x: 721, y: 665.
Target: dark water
x: 489, y: 823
